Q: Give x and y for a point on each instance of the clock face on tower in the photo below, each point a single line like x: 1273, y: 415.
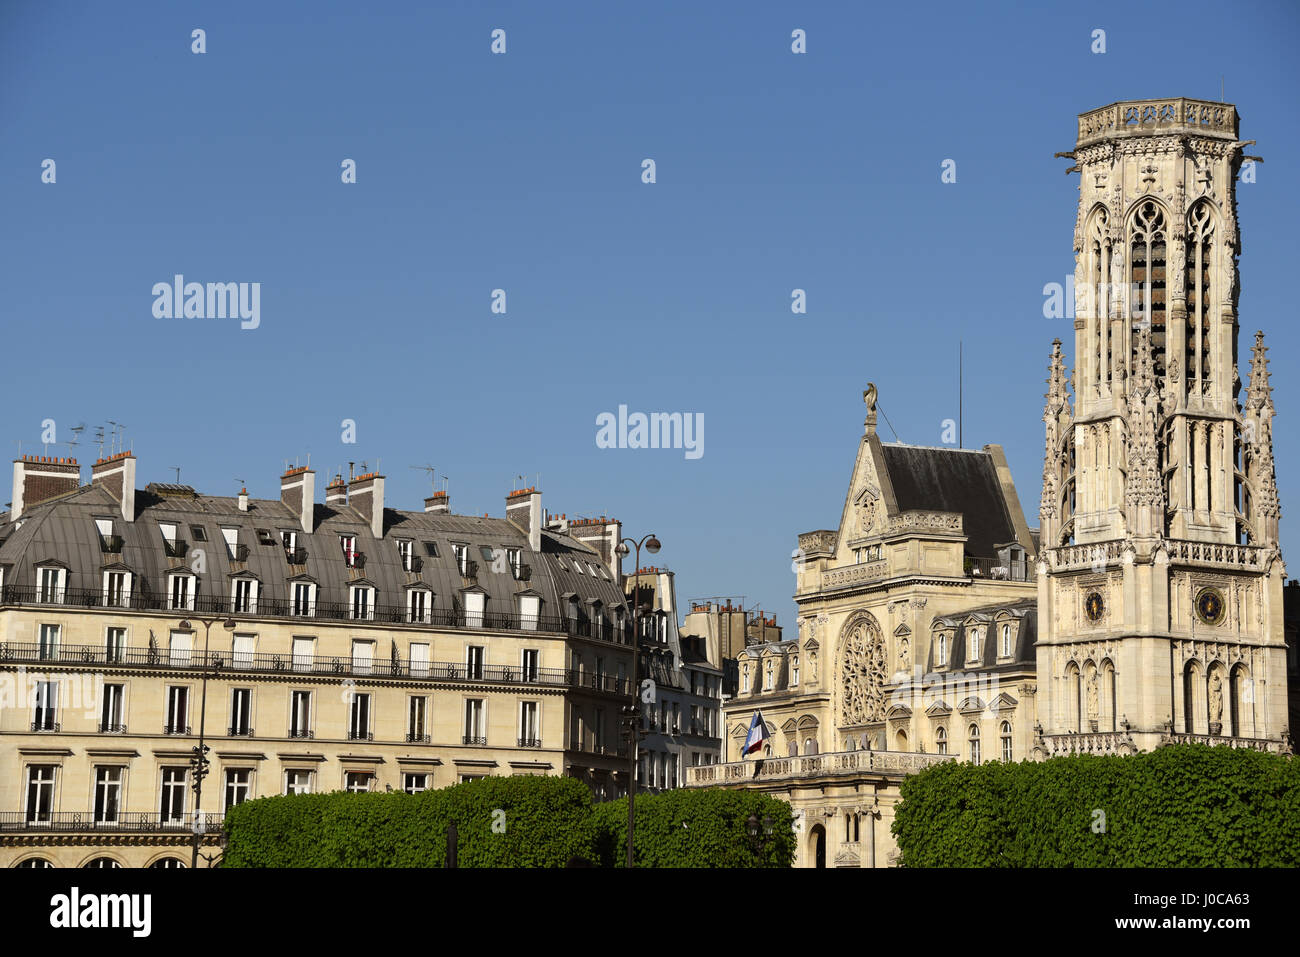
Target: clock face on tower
x: 1209, y: 606
x: 1094, y: 606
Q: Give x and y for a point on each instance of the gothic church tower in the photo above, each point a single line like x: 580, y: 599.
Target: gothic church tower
x: 1159, y: 578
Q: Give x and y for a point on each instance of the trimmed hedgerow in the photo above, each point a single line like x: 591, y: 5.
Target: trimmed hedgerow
x: 1178, y: 806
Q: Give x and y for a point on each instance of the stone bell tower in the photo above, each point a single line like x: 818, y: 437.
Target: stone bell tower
x: 1160, y: 577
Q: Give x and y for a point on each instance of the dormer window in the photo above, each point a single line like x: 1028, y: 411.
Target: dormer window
x: 243, y: 596
x: 51, y: 583
x: 973, y: 641
x: 1005, y: 648
x: 462, y: 556
x: 349, y: 545
x: 941, y: 650
x: 231, y: 536
x: 198, y: 533
x: 577, y: 567
x: 289, y: 539
x: 529, y: 608
x: 117, y: 589
x: 431, y: 549
x: 767, y: 676
x: 264, y: 537
x: 405, y: 550
x: 744, y: 678
x: 516, y: 559
x: 180, y: 591
x: 363, y: 602
x: 794, y: 672
x: 304, y: 599
x: 108, y: 542
x: 474, y: 602
x: 419, y: 606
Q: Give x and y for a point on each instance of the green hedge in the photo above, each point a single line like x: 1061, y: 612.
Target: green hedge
x: 545, y: 821
x: 506, y: 822
x: 699, y: 828
x: 1178, y: 806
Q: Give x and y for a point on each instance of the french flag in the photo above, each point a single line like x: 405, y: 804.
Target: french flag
x: 757, y: 736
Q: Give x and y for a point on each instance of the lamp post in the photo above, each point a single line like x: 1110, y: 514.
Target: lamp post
x: 199, y: 763
x: 633, y: 712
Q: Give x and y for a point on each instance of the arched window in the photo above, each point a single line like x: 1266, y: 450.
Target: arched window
x: 809, y: 745
x: 973, y: 644
x: 36, y: 862
x: 851, y: 829
x: 1006, y: 741
x: 767, y: 678
x: 794, y: 672
x: 1074, y: 702
x: 941, y: 741
x: 900, y: 740
x: 167, y: 862
x: 1147, y: 237
x: 974, y: 736
x: 744, y: 678
x: 793, y: 748
x: 1189, y: 697
x: 1006, y: 640
x: 851, y: 744
x: 941, y: 650
x: 1200, y: 302
x: 1097, y: 293
x: 1111, y: 696
x: 103, y: 862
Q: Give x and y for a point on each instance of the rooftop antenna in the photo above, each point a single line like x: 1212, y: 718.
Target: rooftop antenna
x: 76, y: 431
x: 960, y: 445
x: 1220, y: 87
x: 433, y: 474
x: 178, y: 473
x: 351, y: 470
x: 99, y: 440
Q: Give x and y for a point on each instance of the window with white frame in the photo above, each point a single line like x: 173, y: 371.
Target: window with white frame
x: 117, y: 589
x: 289, y: 539
x: 767, y: 676
x: 516, y: 558
x: 363, y: 602
x: 973, y: 736
x: 241, y: 712
x: 417, y: 721
x: 243, y: 596
x: 405, y: 550
x: 180, y: 648
x: 111, y: 720
x: 49, y: 641
x: 974, y: 636
x: 172, y: 804
x: 304, y: 653
x: 359, y: 718
x: 50, y: 583
x: 413, y: 782
x: 349, y: 545
x: 1006, y: 741
x: 474, y: 733
x: 474, y: 660
x: 940, y: 650
x: 178, y: 710
x: 419, y: 659
x: 941, y: 741
x: 108, y: 794
x: 363, y: 656
x: 528, y: 733
x: 1005, y: 650
x: 231, y: 535
x: 794, y: 671
x: 40, y: 793
x: 297, y: 781
x: 529, y: 659
x: 419, y: 602
x: 462, y: 556
x: 45, y: 706
x: 529, y: 609
x: 180, y: 591
x: 300, y: 714
x: 474, y: 602
x: 357, y: 782
x: 744, y: 678
x: 243, y: 648
x: 238, y: 786
x: 304, y: 599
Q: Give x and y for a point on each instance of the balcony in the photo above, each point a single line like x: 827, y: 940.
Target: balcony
x: 474, y: 740
x: 296, y: 556
x: 836, y: 764
x: 111, y: 544
x: 268, y: 662
x: 176, y: 729
x: 42, y: 725
x: 322, y: 611
x: 112, y: 729
x: 239, y: 732
x: 997, y: 570
x: 176, y: 549
x: 301, y: 733
x: 354, y: 735
x: 128, y: 821
x: 414, y: 737
x: 530, y: 742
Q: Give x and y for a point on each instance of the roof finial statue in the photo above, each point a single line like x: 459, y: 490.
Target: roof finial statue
x: 869, y: 397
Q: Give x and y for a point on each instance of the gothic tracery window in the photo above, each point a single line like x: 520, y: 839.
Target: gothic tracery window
x: 862, y: 672
x: 1148, y: 233
x: 1200, y: 304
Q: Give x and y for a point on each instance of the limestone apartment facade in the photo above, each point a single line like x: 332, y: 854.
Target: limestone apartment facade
x: 1148, y: 609
x: 372, y: 649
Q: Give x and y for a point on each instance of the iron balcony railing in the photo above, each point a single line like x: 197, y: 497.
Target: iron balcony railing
x: 240, y: 732
x: 995, y: 568
x: 414, y: 737
x: 474, y: 739
x: 265, y: 607
x: 139, y: 821
x: 530, y: 742
x: 354, y: 735
x: 288, y: 662
x: 39, y: 725
x: 112, y: 728
x: 176, y: 729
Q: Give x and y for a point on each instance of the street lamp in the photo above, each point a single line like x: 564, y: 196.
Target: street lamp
x: 633, y: 712
x: 199, y: 763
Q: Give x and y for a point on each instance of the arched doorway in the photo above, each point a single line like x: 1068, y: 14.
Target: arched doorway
x: 817, y: 846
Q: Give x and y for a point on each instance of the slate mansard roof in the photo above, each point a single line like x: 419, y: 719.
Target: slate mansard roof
x: 63, y: 530
x: 953, y: 480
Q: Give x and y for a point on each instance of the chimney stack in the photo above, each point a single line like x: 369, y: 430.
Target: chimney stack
x: 243, y: 500
x: 366, y: 496
x: 524, y: 508
x: 298, y: 492
x: 41, y: 477
x: 438, y: 502
x: 336, y: 493
x: 116, y: 475
x: 603, y: 535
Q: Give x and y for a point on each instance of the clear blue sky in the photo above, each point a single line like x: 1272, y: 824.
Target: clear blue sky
x: 523, y: 172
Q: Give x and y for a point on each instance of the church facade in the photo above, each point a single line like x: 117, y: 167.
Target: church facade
x: 1147, y: 608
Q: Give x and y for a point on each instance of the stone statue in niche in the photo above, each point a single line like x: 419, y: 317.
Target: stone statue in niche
x: 1216, y: 698
x: 904, y: 657
x: 1093, y: 709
